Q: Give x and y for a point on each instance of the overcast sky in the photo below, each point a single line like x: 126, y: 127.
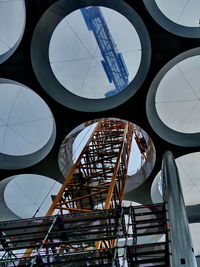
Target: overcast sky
x: 184, y: 12
x: 82, y: 138
x: 12, y: 22
x: 26, y: 122
x: 178, y: 96
x: 25, y: 193
x: 74, y: 52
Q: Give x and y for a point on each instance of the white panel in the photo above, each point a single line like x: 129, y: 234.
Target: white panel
x: 12, y: 14
x: 2, y: 137
x: 38, y: 132
x: 16, y: 144
x: 28, y: 120
x: 184, y: 12
x: 8, y: 96
x: 25, y: 193
x: 178, y: 96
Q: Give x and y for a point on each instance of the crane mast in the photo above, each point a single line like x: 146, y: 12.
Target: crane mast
x: 86, y: 224
x: 97, y: 179
x: 113, y: 62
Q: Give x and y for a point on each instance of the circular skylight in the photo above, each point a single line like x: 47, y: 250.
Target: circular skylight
x: 178, y: 96
x: 90, y: 58
x: 26, y: 122
x: 29, y: 195
x: 136, y: 159
x: 180, y: 17
x: 188, y: 169
x: 141, y: 162
x: 12, y: 23
x: 183, y: 12
x: 95, y: 52
x: 173, y: 100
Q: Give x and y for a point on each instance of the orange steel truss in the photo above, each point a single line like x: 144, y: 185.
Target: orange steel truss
x: 97, y: 179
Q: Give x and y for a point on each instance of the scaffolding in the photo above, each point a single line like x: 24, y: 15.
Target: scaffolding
x: 113, y: 236
x: 89, y: 221
x: 98, y: 177
x: 113, y: 62
x: 68, y: 240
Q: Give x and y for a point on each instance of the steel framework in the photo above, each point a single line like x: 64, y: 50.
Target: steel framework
x: 113, y: 61
x: 68, y: 240
x: 97, y: 179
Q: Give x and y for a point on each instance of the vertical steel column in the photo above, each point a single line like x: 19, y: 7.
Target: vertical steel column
x: 181, y: 248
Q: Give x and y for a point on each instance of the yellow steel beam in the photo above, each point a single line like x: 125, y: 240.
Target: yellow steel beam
x: 69, y: 177
x: 115, y: 184
x: 83, y: 197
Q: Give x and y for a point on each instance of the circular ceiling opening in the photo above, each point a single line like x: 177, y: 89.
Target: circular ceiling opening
x: 13, y: 15
x: 95, y: 52
x: 180, y: 17
x: 178, y: 96
x: 93, y: 56
x: 136, y: 158
x: 182, y: 12
x: 27, y: 127
x: 173, y: 101
x: 27, y: 195
x: 142, y: 151
x: 188, y: 169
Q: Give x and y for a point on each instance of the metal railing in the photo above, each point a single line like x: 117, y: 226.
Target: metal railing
x: 71, y: 239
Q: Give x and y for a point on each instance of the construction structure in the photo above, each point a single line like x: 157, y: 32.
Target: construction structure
x: 108, y: 237
x: 90, y: 199
x: 165, y: 47
x: 86, y: 224
x: 69, y: 240
x: 113, y: 62
x: 97, y: 178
